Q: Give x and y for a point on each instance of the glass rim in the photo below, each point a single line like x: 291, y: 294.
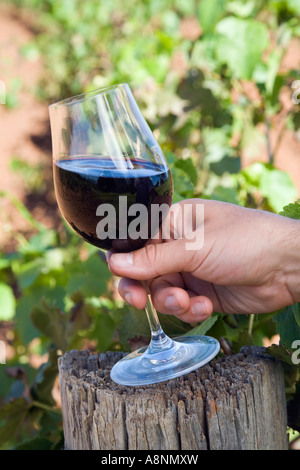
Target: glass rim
x: 89, y: 94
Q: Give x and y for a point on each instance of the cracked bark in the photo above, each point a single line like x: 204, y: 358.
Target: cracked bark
x: 234, y: 402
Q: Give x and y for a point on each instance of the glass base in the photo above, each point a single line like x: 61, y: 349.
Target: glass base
x: 149, y: 366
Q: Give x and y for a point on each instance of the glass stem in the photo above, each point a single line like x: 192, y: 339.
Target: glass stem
x: 159, y: 340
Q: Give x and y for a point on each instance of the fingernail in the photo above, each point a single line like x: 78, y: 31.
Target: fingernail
x: 171, y: 303
x: 122, y: 260
x: 127, y: 297
x: 198, y: 309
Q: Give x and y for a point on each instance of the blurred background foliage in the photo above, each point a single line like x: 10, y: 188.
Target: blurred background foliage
x: 208, y: 77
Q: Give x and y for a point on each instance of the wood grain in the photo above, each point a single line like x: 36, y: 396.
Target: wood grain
x: 234, y: 402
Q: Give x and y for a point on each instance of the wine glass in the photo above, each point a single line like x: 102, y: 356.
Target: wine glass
x: 109, y: 173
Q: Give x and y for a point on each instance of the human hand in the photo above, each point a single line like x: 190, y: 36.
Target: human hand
x: 249, y: 263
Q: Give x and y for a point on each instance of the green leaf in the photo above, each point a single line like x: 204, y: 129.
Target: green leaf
x: 103, y: 331
x: 43, y: 383
x: 209, y: 12
x: 89, y: 277
x: 216, y: 145
x: 52, y: 322
x: 4, y: 262
x: 187, y: 165
x: 32, y: 299
x: 27, y: 273
x: 226, y: 164
x: 38, y: 243
x: 133, y: 323
x: 281, y: 352
x: 273, y: 64
x: 241, y: 8
x: 12, y: 416
x: 296, y: 312
x: 221, y: 193
x: 204, y: 326
x: 241, y: 45
x: 7, y: 302
x: 287, y: 325
x: 182, y: 185
x: 293, y: 6
x: 293, y: 409
x: 172, y: 326
x: 24, y: 326
x: 18, y: 389
x: 243, y: 339
x: 274, y: 184
x: 292, y: 210
x: 220, y: 328
x: 278, y: 187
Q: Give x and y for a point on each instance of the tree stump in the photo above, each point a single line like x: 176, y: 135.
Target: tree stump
x: 234, y: 402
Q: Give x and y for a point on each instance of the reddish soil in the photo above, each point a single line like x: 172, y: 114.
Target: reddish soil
x: 24, y: 131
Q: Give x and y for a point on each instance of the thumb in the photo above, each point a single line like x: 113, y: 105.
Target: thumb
x: 152, y: 261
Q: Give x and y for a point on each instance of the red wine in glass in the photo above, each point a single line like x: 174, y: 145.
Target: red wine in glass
x: 85, y: 183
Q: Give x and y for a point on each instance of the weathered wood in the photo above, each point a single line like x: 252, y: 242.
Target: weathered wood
x: 234, y: 402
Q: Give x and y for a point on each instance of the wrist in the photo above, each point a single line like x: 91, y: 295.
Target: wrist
x: 291, y: 258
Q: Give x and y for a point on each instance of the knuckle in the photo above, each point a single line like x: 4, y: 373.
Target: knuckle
x: 150, y: 256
